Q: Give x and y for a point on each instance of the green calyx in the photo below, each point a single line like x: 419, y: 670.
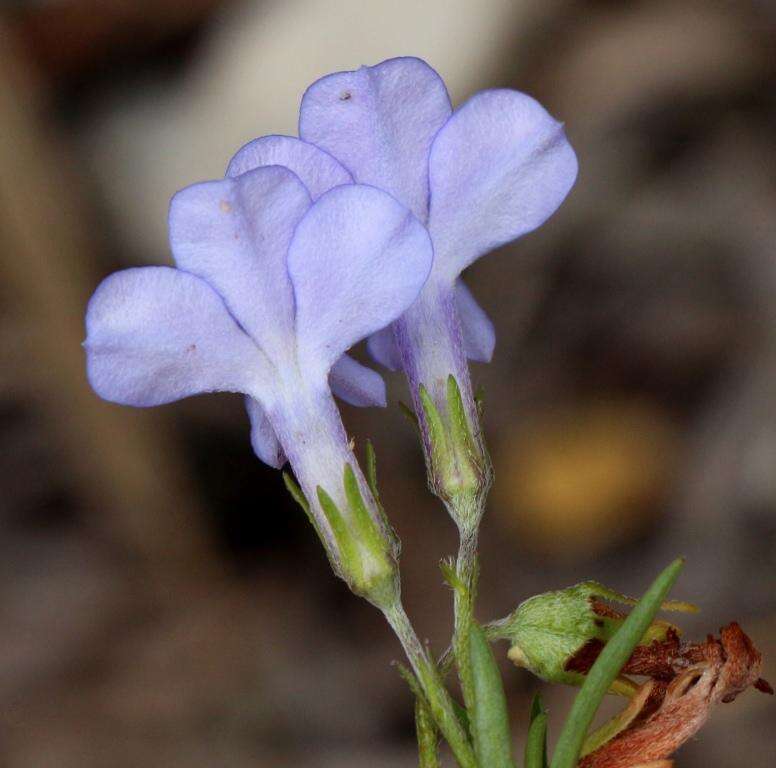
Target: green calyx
x: 460, y: 469
x: 547, y: 631
x: 366, y: 551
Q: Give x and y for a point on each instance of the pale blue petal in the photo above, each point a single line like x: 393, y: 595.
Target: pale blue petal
x: 263, y: 438
x: 357, y: 260
x: 498, y: 169
x: 235, y: 234
x: 356, y: 384
x: 379, y: 123
x: 317, y: 169
x: 477, y: 331
x: 155, y: 335
x: 382, y: 347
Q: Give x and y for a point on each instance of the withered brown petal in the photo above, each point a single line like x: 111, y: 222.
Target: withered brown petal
x: 729, y: 666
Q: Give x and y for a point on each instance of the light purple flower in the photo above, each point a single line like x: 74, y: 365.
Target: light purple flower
x: 276, y: 279
x: 479, y: 177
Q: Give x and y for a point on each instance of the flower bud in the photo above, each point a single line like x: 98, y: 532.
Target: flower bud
x: 552, y: 634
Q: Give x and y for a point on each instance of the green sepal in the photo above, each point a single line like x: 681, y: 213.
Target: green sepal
x: 410, y: 415
x: 296, y: 492
x: 536, y: 741
x: 679, y: 606
x: 367, y: 530
x: 608, y: 665
x: 371, y: 470
x: 440, y: 451
x: 489, y: 718
x: 351, y: 564
x: 371, y: 479
x: 459, y: 423
x: 298, y: 496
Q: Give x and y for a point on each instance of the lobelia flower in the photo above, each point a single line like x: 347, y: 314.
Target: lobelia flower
x: 481, y: 176
x: 276, y: 278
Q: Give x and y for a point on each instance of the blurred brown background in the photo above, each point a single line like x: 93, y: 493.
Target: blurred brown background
x: 162, y: 601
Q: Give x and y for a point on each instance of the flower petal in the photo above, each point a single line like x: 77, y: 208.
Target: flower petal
x: 235, y: 234
x: 479, y: 335
x: 155, y: 335
x: 356, y: 384
x: 263, y: 438
x: 317, y: 169
x: 498, y: 169
x: 379, y: 122
x: 383, y: 349
x: 357, y: 260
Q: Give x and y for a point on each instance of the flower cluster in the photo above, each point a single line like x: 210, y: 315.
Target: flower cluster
x: 360, y: 229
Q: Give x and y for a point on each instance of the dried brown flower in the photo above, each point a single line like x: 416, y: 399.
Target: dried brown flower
x: 688, y: 679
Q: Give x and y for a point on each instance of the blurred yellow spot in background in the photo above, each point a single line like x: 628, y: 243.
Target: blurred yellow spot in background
x: 578, y: 481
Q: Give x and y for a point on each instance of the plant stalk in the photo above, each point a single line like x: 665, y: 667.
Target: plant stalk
x: 439, y: 701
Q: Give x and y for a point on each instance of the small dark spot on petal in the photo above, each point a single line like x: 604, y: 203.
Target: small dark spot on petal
x: 345, y: 96
x: 191, y: 348
x: 225, y: 206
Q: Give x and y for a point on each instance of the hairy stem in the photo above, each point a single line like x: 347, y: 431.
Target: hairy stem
x: 437, y: 696
x: 463, y: 605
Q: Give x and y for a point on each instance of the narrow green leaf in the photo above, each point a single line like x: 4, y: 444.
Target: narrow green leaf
x: 489, y: 720
x: 536, y: 744
x: 428, y: 739
x: 367, y: 529
x: 608, y: 665
x: 537, y: 706
x: 667, y: 605
x: 347, y: 546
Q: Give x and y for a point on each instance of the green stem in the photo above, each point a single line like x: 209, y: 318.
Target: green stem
x: 463, y: 606
x: 439, y: 701
x: 425, y: 727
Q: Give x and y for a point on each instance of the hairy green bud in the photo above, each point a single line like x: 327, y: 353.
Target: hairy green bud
x: 548, y: 633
